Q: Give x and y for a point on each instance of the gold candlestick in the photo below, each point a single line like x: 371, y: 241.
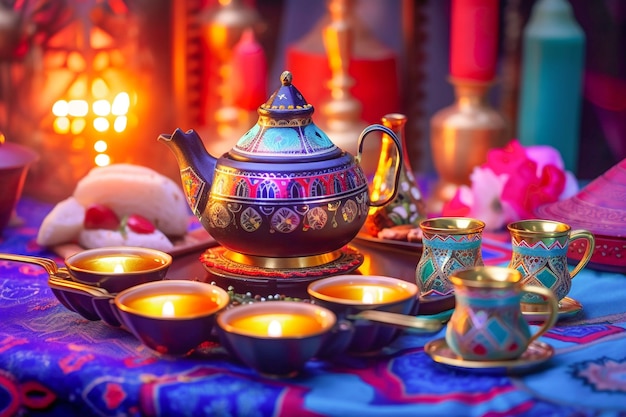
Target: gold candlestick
x: 461, y: 135
x: 342, y: 113
x: 343, y: 110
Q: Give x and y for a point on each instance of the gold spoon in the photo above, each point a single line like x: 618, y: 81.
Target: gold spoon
x: 400, y: 320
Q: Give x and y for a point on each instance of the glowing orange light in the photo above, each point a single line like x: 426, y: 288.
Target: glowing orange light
x: 99, y: 88
x: 61, y: 125
x: 274, y: 329
x: 77, y: 126
x: 101, y: 107
x: 60, y: 108
x: 73, y: 117
x: 100, y: 146
x: 102, y: 160
x: 120, y: 123
x: 121, y: 103
x: 78, y: 143
x: 168, y: 309
x: 101, y: 124
x: 78, y: 108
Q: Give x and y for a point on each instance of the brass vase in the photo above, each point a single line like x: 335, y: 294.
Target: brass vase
x: 461, y: 136
x: 408, y: 207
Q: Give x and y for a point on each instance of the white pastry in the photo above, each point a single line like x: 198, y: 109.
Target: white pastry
x: 99, y: 238
x: 132, y: 189
x: 63, y: 224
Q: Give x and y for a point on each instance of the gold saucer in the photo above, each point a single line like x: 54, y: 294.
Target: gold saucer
x: 536, y: 354
x: 568, y: 307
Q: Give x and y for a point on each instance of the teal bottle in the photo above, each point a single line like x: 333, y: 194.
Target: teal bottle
x: 551, y: 82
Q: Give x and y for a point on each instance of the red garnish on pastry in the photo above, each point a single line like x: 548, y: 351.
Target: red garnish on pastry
x: 99, y: 216
x: 139, y: 224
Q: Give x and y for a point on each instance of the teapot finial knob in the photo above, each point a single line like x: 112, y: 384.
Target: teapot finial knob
x: 285, y: 78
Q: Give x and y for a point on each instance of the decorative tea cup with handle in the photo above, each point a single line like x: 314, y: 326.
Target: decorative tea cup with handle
x: 449, y: 244
x: 487, y: 323
x: 540, y: 254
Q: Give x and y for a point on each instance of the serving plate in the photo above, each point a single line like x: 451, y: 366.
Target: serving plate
x: 537, y: 354
x: 415, y: 247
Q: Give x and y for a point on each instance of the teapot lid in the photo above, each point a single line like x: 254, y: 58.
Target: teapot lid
x: 285, y: 130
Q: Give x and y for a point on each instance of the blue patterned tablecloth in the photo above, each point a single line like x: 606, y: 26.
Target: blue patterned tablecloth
x: 54, y: 362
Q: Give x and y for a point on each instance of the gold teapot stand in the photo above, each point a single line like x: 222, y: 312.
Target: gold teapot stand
x: 288, y: 276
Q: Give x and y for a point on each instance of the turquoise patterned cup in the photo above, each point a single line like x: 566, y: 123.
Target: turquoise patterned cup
x: 539, y: 252
x: 487, y: 323
x: 449, y: 244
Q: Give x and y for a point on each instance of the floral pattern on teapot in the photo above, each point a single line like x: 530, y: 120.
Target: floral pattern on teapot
x: 238, y: 197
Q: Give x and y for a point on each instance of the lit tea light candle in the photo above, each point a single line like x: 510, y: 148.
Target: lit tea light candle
x: 119, y: 267
x: 275, y: 329
x: 348, y: 295
x: 366, y: 293
x: 368, y: 298
x: 171, y: 316
x: 279, y: 324
x: 119, y: 263
x: 168, y: 309
x: 275, y: 337
x: 175, y: 303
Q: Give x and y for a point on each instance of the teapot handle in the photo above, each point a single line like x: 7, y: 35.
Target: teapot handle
x: 396, y: 178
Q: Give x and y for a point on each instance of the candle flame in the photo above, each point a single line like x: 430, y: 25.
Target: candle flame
x: 274, y: 329
x: 118, y: 269
x: 368, y: 297
x: 168, y: 309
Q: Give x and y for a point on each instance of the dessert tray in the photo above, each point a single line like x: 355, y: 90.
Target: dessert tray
x: 406, y: 245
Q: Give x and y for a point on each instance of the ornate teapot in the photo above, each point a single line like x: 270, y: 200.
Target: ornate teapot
x: 284, y: 190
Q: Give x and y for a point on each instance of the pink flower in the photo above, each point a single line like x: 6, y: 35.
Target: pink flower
x: 525, y: 191
x: 483, y: 200
x: 511, y: 184
x: 507, y: 159
x: 547, y: 155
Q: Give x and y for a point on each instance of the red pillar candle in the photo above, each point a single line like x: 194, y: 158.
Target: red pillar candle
x: 474, y: 39
x: 249, y: 82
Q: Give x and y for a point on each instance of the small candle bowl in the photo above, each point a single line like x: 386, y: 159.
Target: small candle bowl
x: 173, y: 316
x: 348, y: 295
x: 117, y: 268
x: 276, y: 338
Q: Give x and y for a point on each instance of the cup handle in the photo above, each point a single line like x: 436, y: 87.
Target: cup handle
x: 553, y: 306
x: 591, y: 242
x: 396, y: 169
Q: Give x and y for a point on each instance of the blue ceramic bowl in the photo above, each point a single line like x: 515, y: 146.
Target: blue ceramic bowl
x: 97, y: 267
x: 348, y: 295
x: 275, y: 338
x: 141, y: 309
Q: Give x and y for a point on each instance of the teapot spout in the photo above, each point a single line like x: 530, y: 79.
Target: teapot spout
x: 196, y: 165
